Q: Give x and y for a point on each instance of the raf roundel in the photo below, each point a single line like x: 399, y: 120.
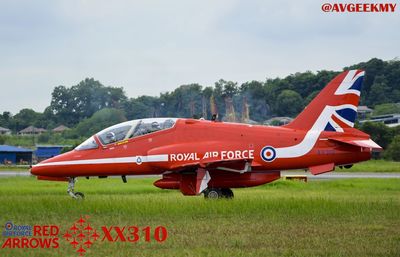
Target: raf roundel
x: 8, y: 225
x: 268, y: 153
x: 139, y: 160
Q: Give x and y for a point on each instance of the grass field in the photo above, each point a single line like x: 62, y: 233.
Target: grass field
x: 358, y: 217
x: 14, y: 168
x: 368, y: 166
x: 374, y: 166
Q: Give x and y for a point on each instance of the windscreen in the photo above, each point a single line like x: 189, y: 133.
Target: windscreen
x: 89, y: 143
x: 134, y: 128
x: 147, y: 126
x: 115, y: 133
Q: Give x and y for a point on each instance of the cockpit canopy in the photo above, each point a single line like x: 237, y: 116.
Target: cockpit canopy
x: 126, y: 130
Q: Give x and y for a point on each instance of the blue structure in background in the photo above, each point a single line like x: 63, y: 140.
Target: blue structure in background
x: 15, y: 154
x: 47, y: 151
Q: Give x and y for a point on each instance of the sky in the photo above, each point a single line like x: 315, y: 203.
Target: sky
x: 149, y: 46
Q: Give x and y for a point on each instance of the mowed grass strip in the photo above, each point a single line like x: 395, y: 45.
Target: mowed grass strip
x: 14, y: 167
x: 357, y: 217
x: 374, y: 166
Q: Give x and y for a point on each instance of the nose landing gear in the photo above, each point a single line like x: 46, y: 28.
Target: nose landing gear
x: 70, y: 190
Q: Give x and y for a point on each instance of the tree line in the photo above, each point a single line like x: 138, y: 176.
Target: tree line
x: 90, y: 106
x: 252, y: 100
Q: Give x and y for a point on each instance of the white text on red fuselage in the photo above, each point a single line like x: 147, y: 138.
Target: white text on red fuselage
x: 223, y: 155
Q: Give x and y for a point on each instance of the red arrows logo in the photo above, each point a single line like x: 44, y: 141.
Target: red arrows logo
x: 81, y: 235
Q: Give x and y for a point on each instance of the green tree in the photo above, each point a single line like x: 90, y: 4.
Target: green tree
x: 379, y: 132
x: 185, y: 101
x: 70, y: 105
x: 142, y: 107
x: 25, y: 117
x: 223, y: 89
x: 387, y: 108
x: 206, y: 95
x: 310, y: 97
x: 100, y: 120
x: 44, y: 138
x: 62, y: 106
x: 229, y: 88
x: 393, y: 150
x: 256, y: 97
x: 2, y: 140
x: 5, y: 119
x: 379, y: 91
x: 289, y: 103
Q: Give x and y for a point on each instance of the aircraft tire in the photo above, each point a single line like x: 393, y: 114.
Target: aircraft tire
x: 213, y: 193
x: 227, y: 193
x: 79, y: 195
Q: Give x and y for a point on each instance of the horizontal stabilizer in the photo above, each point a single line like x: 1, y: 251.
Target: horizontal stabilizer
x: 367, y: 143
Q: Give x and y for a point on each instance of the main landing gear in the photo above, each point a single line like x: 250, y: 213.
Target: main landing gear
x: 218, y: 193
x: 70, y: 190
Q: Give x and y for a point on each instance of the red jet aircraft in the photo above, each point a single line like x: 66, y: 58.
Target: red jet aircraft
x: 211, y: 157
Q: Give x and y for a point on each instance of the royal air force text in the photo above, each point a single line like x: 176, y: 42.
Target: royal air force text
x: 222, y: 155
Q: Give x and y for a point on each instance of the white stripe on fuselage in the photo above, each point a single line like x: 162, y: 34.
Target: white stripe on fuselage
x: 312, y: 135
x: 143, y: 159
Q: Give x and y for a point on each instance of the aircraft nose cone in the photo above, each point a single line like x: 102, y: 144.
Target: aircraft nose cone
x: 32, y: 171
x: 46, y: 167
x: 38, y: 171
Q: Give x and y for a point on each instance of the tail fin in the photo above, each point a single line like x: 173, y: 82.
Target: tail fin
x: 335, y: 107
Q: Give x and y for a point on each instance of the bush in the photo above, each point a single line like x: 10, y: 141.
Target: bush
x: 393, y: 150
x: 387, y: 108
x: 379, y: 132
x: 44, y: 138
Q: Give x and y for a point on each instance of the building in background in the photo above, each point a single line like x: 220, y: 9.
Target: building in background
x: 390, y: 120
x: 60, y: 129
x: 31, y: 130
x: 44, y: 152
x: 363, y: 112
x: 5, y: 131
x: 15, y: 155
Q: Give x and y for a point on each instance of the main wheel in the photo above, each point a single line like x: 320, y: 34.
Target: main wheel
x: 227, y: 193
x: 79, y: 196
x: 213, y: 193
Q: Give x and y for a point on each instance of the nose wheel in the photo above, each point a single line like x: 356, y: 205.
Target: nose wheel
x: 71, y: 192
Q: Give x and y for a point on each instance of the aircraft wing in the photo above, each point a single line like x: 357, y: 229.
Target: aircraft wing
x: 366, y: 143
x: 193, y: 178
x: 232, y: 165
